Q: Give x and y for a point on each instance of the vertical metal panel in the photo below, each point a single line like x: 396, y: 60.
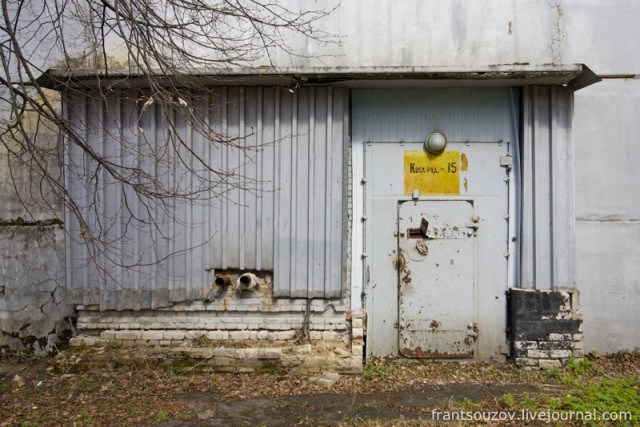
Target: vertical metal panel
x: 386, y: 123
x: 476, y: 114
x: 309, y: 158
x: 280, y: 208
x: 547, y: 202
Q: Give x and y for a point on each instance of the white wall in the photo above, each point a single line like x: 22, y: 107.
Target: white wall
x: 603, y: 35
x: 468, y: 33
x: 608, y: 213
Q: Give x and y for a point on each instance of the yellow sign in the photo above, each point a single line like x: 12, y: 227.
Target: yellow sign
x: 432, y: 174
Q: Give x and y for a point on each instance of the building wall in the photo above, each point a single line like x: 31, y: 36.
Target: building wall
x: 33, y: 311
x: 470, y: 34
x: 608, y: 213
x: 607, y: 202
x: 271, y: 204
x: 387, y: 123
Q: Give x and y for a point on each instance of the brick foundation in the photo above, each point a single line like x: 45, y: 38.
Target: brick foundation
x: 545, y: 327
x: 334, y: 342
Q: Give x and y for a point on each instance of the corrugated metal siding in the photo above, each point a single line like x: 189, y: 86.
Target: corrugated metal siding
x: 547, y: 193
x: 289, y: 221
x: 385, y: 115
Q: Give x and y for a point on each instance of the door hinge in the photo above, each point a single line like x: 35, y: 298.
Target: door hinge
x: 506, y: 161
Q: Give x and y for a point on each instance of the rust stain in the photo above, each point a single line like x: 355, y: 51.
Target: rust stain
x: 464, y: 162
x: 407, y: 278
x: 434, y: 324
x: 465, y: 183
x: 401, y: 265
x: 419, y: 352
x: 224, y: 301
x: 467, y: 341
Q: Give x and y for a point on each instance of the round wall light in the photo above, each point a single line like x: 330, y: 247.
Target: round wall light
x: 435, y: 142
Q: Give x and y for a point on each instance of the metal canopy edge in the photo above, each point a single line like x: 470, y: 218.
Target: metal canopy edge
x: 575, y: 75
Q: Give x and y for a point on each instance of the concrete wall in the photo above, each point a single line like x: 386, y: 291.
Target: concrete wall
x: 603, y: 35
x: 608, y: 213
x: 33, y: 313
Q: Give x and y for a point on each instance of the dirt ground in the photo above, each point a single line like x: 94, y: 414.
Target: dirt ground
x: 36, y: 391
x: 413, y: 403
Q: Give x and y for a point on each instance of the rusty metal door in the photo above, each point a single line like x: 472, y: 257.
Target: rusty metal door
x: 436, y: 271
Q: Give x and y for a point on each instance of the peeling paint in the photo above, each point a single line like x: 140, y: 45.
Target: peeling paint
x: 33, y: 314
x: 557, y: 37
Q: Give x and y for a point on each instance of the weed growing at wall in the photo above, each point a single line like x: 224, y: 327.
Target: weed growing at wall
x: 375, y: 371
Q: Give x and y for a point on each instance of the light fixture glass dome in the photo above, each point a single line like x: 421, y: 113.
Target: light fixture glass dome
x: 435, y: 142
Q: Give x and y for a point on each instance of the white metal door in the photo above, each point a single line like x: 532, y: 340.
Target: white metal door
x: 436, y: 271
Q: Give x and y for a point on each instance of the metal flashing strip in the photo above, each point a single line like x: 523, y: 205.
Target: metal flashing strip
x: 491, y: 75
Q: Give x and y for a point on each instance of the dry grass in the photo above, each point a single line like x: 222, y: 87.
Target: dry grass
x: 124, y: 395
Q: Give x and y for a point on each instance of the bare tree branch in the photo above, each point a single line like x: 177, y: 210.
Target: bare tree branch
x: 151, y: 40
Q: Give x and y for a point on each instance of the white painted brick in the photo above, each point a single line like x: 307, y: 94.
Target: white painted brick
x: 218, y: 335
x: 128, y: 335
x: 559, y: 337
x: 549, y: 363
x: 560, y: 354
x: 331, y: 335
x: 157, y: 325
x: 357, y: 333
x: 191, y: 334
x: 269, y: 353
x: 173, y: 335
x: 128, y: 326
x: 357, y: 350
x: 109, y: 335
x: 90, y: 341
x: 239, y: 335
x: 90, y: 325
x: 284, y: 335
x: 152, y: 335
x: 358, y: 314
x: 75, y: 341
x: 164, y: 342
x: 231, y: 320
x: 263, y: 335
x: 280, y: 326
x: 538, y: 354
x: 356, y: 323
